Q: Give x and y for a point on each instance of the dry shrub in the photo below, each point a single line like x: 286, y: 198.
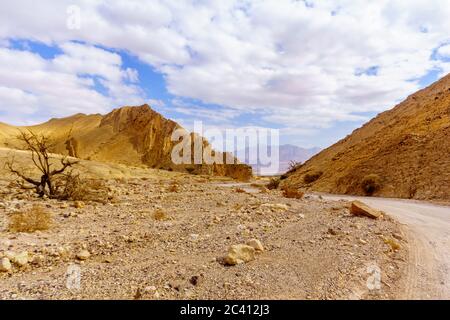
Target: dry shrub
x: 240, y: 190
x: 293, y: 193
x: 160, y: 215
x: 30, y: 220
x: 312, y: 177
x: 370, y: 184
x: 273, y: 183
x: 72, y: 187
x: 293, y: 166
x: 173, y: 187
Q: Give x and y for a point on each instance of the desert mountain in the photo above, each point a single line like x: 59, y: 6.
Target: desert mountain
x: 136, y: 136
x: 403, y: 152
x: 287, y: 153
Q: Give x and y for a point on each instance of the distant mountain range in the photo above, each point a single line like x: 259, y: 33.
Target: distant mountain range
x: 287, y: 153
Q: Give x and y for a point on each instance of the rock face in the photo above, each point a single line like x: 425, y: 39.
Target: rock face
x: 403, y: 152
x: 239, y: 253
x: 361, y: 209
x: 129, y: 135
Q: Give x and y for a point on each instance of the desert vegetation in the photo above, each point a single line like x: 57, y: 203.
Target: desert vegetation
x: 293, y: 166
x: 273, y: 183
x: 30, y: 220
x: 312, y: 176
x: 370, y: 184
x: 292, y: 192
x: 39, y: 147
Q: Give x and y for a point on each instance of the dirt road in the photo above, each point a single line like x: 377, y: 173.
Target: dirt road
x: 427, y: 227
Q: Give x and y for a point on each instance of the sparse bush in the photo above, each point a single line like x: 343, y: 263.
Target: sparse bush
x: 190, y: 169
x: 293, y: 166
x: 273, y: 183
x: 239, y: 190
x: 160, y: 215
x: 293, y: 193
x: 30, y: 220
x: 370, y: 184
x: 39, y: 147
x: 312, y: 177
x: 72, y: 187
x: 173, y: 187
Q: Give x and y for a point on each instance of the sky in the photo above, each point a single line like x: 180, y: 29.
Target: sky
x: 315, y: 70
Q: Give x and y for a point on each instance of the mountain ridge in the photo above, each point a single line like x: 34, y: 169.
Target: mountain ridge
x: 406, y: 149
x: 136, y: 136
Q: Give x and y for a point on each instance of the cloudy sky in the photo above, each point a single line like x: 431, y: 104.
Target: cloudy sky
x: 314, y: 69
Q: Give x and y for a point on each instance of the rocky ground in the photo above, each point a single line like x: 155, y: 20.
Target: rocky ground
x: 165, y: 238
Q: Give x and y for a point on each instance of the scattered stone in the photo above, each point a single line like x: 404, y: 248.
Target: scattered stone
x: 361, y: 209
x: 21, y: 259
x: 5, y: 265
x: 78, y: 204
x: 38, y: 260
x: 332, y: 232
x: 194, y: 236
x: 194, y: 280
x: 397, y: 236
x: 149, y: 289
x: 392, y: 243
x: 108, y: 260
x: 238, y: 254
x: 256, y: 244
x: 276, y: 206
x: 83, y: 255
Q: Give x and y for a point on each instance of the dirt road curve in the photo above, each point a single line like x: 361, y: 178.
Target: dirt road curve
x: 428, y: 230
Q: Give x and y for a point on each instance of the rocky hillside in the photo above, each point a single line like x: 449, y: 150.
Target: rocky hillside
x: 130, y: 135
x: 403, y: 152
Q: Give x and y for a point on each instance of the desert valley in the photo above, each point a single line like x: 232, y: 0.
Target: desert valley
x: 224, y: 158
x: 137, y: 227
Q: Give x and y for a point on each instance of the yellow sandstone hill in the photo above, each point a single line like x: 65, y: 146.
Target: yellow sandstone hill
x: 403, y: 152
x: 130, y: 135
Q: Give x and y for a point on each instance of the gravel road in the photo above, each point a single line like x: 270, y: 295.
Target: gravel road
x: 428, y: 231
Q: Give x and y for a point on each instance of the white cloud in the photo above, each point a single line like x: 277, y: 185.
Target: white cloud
x: 291, y: 64
x: 444, y: 51
x: 33, y: 88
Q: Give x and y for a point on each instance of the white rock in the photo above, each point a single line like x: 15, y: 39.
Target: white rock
x: 194, y: 236
x: 5, y: 265
x: 83, y: 255
x: 21, y: 259
x: 256, y: 244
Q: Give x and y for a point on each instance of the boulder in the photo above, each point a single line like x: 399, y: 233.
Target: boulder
x: 5, y: 265
x: 78, y: 204
x: 276, y: 206
x: 239, y: 253
x: 361, y: 209
x: 255, y: 244
x: 83, y: 255
x: 21, y: 259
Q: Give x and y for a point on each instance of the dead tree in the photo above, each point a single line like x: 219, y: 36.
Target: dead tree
x: 39, y: 147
